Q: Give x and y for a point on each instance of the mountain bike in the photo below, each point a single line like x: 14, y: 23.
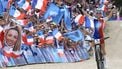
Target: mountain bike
x: 100, y: 59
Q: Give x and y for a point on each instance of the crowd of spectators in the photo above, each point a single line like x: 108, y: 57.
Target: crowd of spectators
x: 53, y: 30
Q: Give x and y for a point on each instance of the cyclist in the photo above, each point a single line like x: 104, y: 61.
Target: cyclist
x: 99, y: 25
x: 99, y: 30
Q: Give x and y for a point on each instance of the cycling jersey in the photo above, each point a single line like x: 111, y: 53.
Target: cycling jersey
x: 99, y: 29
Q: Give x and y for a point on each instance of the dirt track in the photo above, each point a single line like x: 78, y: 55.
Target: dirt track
x: 114, y: 51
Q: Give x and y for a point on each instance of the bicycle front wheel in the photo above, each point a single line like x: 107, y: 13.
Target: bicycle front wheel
x: 99, y: 57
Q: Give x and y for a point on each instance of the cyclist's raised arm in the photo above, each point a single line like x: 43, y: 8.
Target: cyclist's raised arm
x: 110, y: 15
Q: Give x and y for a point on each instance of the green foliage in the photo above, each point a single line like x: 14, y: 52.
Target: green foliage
x: 118, y: 4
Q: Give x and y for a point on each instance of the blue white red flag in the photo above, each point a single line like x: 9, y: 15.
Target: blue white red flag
x: 57, y: 34
x: 41, y: 5
x: 103, y: 4
x: 30, y: 40
x: 24, y: 5
x: 29, y: 27
x: 41, y: 37
x: 16, y: 13
x: 80, y: 19
x: 102, y: 7
x: 22, y: 22
x: 88, y: 22
x: 49, y: 40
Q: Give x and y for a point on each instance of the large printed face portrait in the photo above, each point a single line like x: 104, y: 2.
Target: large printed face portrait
x: 11, y: 37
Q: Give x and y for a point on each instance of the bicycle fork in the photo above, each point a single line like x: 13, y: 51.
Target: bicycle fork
x: 99, y: 57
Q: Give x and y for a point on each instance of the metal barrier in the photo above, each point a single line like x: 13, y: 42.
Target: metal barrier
x: 50, y: 54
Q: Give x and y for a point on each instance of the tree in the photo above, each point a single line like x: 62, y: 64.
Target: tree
x: 118, y: 4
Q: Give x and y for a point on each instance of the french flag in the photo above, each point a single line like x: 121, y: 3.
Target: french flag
x: 25, y: 5
x: 80, y: 19
x: 16, y: 13
x: 49, y: 40
x: 22, y: 22
x: 41, y: 5
x: 102, y: 7
x: 103, y: 4
x: 57, y: 34
x: 30, y: 27
x: 88, y: 22
x: 30, y: 40
x: 41, y: 37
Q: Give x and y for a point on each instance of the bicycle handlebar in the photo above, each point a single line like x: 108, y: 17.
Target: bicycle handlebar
x: 106, y: 38
x: 101, y: 38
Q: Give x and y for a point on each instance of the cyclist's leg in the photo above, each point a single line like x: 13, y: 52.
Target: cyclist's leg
x: 103, y: 50
x: 102, y: 42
